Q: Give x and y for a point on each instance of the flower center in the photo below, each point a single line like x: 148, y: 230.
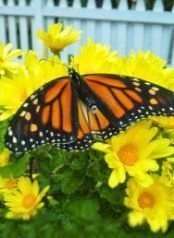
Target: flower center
x: 128, y: 154
x: 146, y: 200
x: 29, y: 200
x: 10, y: 183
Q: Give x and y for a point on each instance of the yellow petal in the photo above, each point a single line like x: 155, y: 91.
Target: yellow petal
x: 135, y: 218
x: 4, y: 157
x: 43, y: 192
x: 6, y: 114
x: 157, y: 149
x: 7, y: 48
x: 112, y: 161
x: 148, y: 165
x: 144, y: 179
x: 14, y: 54
x: 35, y: 188
x: 116, y: 177
x: 101, y: 147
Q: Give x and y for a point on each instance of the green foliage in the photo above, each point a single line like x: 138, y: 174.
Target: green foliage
x: 79, y: 203
x: 3, y: 128
x: 16, y: 168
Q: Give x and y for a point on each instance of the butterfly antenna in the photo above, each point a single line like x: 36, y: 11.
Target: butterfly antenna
x: 64, y: 64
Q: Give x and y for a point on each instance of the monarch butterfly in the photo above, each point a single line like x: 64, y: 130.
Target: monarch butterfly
x: 70, y: 111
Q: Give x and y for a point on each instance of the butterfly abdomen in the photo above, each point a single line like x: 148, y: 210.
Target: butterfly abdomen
x: 82, y: 90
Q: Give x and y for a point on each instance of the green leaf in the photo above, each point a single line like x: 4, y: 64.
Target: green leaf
x: 3, y: 129
x: 70, y: 182
x: 78, y: 163
x: 113, y: 196
x: 84, y: 208
x: 16, y: 168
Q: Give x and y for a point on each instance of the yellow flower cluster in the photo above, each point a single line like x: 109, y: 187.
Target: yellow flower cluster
x: 21, y: 196
x: 6, y: 66
x: 24, y: 199
x: 28, y: 77
x: 133, y: 157
x: 147, y: 66
x: 135, y: 152
x: 91, y: 53
x: 56, y: 38
x: 154, y: 204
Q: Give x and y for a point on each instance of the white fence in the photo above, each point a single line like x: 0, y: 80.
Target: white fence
x: 122, y: 28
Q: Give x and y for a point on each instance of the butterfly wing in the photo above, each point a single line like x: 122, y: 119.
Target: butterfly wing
x: 47, y: 116
x: 56, y: 114
x: 124, y: 100
x: 120, y: 101
x: 90, y: 125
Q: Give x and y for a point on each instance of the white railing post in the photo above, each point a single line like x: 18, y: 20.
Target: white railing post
x: 76, y: 23
x: 106, y: 25
x: 63, y: 5
x: 122, y: 28
x: 172, y: 42
x: 12, y: 29
x: 23, y: 29
x: 157, y: 29
x: 3, y: 38
x: 138, y: 30
x: 90, y: 26
x: 121, y: 40
x: 37, y: 23
x: 49, y: 20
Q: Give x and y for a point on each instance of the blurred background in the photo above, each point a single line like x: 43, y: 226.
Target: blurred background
x: 124, y: 25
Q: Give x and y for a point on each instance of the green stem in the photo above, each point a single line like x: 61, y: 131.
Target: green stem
x: 32, y: 167
x: 44, y: 53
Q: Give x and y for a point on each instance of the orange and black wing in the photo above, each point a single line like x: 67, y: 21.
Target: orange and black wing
x: 90, y: 124
x: 47, y: 116
x: 57, y: 113
x: 123, y: 100
x: 120, y: 101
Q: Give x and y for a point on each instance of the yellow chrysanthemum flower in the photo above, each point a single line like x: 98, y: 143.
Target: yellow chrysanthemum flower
x: 43, y: 71
x: 28, y: 78
x: 95, y: 58
x: 164, y: 122
x: 6, y: 56
x: 4, y: 157
x: 167, y: 172
x: 154, y: 204
x: 7, y: 185
x: 147, y: 66
x: 167, y: 123
x: 26, y: 200
x: 134, y: 152
x: 56, y: 38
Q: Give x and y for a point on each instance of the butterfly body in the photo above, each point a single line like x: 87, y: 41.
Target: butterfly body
x: 82, y: 89
x: 72, y: 111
